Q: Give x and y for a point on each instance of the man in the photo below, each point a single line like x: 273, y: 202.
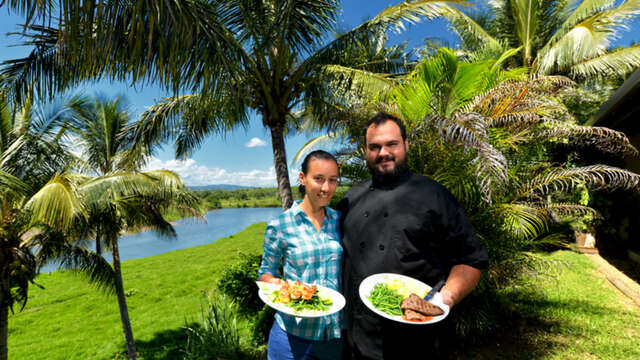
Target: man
x: 401, y: 222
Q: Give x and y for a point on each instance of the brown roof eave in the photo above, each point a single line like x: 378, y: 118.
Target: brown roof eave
x: 622, y: 109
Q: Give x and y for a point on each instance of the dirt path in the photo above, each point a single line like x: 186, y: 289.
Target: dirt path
x: 622, y: 282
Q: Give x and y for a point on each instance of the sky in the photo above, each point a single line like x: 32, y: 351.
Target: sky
x: 244, y: 156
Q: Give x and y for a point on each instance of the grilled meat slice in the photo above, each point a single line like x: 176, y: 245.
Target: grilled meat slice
x: 416, y: 303
x: 411, y: 315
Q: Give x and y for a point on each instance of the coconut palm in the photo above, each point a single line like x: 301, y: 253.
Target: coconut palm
x: 116, y: 195
x: 555, y: 37
x: 37, y: 202
x: 231, y: 57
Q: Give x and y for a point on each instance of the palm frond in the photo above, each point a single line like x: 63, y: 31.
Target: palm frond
x: 468, y: 30
x: 11, y: 183
x: 303, y: 23
x: 603, y: 138
x: 54, y: 245
x: 587, y: 40
x: 526, y: 20
x: 470, y: 130
x: 584, y: 10
x: 563, y: 180
x: 188, y: 119
x: 566, y: 209
x: 31, y: 9
x: 523, y: 220
x: 393, y: 16
x: 56, y: 203
x: 616, y: 63
x: 315, y: 142
x: 362, y: 80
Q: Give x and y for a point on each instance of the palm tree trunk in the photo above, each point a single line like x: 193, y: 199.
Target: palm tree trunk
x: 4, y: 331
x: 280, y: 162
x: 122, y: 302
x: 98, y: 244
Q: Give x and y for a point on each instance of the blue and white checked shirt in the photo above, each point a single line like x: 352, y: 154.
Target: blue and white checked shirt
x: 313, y: 257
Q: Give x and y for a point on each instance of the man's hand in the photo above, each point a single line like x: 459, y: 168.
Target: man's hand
x: 461, y: 281
x: 448, y: 297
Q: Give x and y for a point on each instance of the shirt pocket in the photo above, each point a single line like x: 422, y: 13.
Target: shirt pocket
x: 300, y: 260
x: 332, y: 262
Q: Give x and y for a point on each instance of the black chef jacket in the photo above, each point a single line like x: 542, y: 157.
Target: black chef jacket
x: 411, y: 226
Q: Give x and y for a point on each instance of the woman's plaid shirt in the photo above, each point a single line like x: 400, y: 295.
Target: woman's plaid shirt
x: 292, y: 243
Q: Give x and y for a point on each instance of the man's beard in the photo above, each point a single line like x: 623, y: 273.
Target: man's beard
x: 384, y: 177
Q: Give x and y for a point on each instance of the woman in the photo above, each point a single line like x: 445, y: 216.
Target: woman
x: 305, y: 242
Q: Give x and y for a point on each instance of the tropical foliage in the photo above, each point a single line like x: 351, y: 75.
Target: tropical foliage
x: 563, y: 37
x: 49, y: 213
x: 487, y: 135
x: 37, y: 200
x: 233, y: 58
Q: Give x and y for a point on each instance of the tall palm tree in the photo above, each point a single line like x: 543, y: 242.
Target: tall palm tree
x: 37, y: 203
x: 233, y: 56
x: 556, y: 37
x: 116, y: 195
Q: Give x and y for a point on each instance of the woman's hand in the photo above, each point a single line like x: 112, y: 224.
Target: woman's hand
x: 271, y: 279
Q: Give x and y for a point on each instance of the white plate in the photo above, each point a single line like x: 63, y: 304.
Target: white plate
x: 265, y: 289
x: 367, y: 285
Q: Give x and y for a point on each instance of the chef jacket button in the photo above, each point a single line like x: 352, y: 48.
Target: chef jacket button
x: 362, y: 245
x: 385, y: 214
x: 366, y: 214
x: 381, y: 247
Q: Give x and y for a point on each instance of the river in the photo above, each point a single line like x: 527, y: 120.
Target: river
x: 189, y: 233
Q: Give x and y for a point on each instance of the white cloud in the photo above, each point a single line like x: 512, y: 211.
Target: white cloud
x: 194, y: 174
x: 255, y: 142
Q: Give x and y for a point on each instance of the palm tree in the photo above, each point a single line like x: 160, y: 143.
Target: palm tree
x: 555, y: 37
x: 234, y: 57
x: 37, y: 203
x: 119, y: 198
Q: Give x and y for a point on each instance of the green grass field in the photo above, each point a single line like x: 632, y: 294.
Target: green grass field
x: 72, y: 320
x: 577, y: 315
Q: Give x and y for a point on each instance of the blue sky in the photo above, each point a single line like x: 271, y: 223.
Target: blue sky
x: 243, y: 157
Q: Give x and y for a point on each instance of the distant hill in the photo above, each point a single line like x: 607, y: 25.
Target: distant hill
x: 219, y: 187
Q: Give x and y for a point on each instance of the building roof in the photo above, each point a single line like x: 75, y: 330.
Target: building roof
x: 622, y: 111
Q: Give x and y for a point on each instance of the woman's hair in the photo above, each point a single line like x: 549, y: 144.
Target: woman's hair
x: 317, y: 154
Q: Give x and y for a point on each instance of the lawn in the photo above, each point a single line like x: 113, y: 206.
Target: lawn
x: 577, y: 315
x: 72, y: 320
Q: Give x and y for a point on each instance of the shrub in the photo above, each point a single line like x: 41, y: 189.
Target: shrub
x: 218, y: 336
x: 262, y: 322
x: 239, y: 282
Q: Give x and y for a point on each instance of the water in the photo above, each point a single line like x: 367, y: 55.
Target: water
x: 189, y: 233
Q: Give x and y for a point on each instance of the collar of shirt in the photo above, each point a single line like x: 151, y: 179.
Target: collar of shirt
x: 330, y: 214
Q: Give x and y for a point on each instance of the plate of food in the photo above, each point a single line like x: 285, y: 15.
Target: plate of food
x: 401, y: 298
x: 299, y: 299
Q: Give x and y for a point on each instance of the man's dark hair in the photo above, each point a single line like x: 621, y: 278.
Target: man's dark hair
x: 381, y: 118
x: 317, y: 154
